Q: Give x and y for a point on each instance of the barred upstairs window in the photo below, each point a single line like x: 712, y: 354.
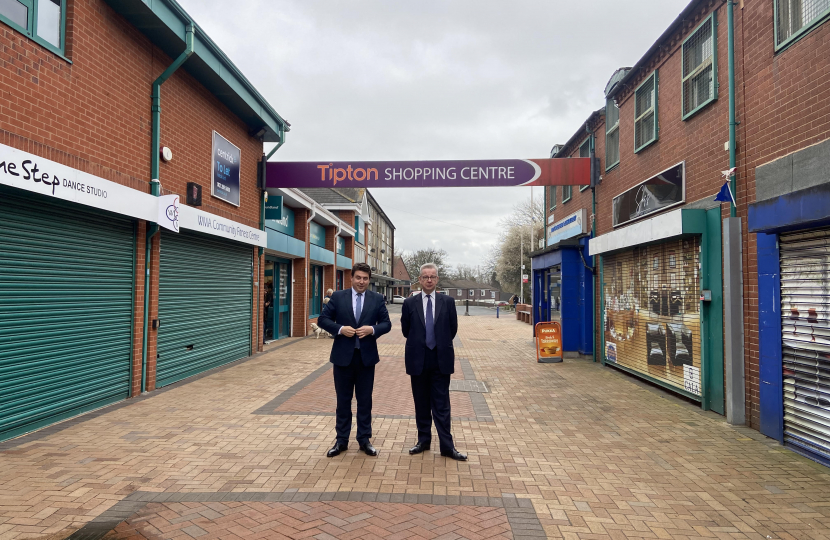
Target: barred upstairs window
x: 585, y: 151
x: 612, y: 134
x: 645, y: 113
x: 699, y: 67
x: 795, y: 17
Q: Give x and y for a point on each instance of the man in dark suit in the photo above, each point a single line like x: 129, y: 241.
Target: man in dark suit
x: 355, y: 317
x: 429, y: 323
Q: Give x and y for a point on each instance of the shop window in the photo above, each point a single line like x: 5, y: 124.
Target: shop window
x: 44, y: 21
x: 794, y: 18
x: 612, y: 134
x: 585, y: 151
x: 700, y: 68
x: 645, y: 113
x: 552, y: 197
x: 315, y: 289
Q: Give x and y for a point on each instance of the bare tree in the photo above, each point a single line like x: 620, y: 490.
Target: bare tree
x: 465, y: 271
x: 414, y: 259
x: 508, y: 265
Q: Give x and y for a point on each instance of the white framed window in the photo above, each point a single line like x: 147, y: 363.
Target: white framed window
x: 472, y: 292
x: 483, y: 293
x: 460, y: 292
x: 493, y: 294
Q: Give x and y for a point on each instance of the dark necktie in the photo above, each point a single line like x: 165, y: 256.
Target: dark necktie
x: 357, y: 310
x: 430, y: 324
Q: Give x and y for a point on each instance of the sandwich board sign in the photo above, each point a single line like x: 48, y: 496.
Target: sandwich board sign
x: 548, y: 342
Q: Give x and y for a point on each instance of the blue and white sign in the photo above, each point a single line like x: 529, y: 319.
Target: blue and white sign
x: 573, y: 225
x: 225, y: 168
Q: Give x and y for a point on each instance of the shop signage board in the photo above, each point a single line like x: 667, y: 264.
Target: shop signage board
x: 284, y: 225
x: 548, y: 342
x: 199, y: 220
x: 317, y: 234
x: 573, y: 225
x: 273, y: 207
x: 455, y: 173
x: 658, y: 193
x: 29, y: 172
x: 226, y: 157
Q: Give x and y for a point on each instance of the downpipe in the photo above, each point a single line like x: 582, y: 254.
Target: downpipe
x: 308, y: 265
x: 155, y: 187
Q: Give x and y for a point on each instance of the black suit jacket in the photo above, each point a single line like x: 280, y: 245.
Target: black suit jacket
x: 414, y: 330
x: 339, y: 312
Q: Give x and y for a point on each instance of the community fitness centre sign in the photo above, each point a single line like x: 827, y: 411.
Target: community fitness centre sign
x: 466, y: 173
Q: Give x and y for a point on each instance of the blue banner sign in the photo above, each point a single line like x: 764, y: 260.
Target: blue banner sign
x: 225, y: 168
x: 318, y: 234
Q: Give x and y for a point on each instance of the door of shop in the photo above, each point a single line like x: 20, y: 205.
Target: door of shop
x: 205, y: 307
x: 805, y: 310
x: 66, y: 287
x: 282, y: 302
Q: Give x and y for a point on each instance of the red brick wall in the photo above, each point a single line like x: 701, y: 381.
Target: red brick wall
x: 783, y: 107
x: 299, y: 291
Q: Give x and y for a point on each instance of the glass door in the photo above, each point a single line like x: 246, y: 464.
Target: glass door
x: 268, y: 315
x: 283, y: 321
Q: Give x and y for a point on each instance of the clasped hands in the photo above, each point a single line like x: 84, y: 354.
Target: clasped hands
x: 361, y: 332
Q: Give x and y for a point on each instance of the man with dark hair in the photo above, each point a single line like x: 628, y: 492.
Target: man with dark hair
x: 356, y: 317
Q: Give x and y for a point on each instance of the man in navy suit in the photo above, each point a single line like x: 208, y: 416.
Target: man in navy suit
x: 429, y: 323
x: 355, y: 317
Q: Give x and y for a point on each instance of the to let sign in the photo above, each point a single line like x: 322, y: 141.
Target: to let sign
x: 226, y: 159
x: 548, y: 342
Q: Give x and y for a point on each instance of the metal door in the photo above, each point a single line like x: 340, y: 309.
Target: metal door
x: 805, y: 311
x: 205, y: 304
x: 66, y: 290
x: 283, y: 292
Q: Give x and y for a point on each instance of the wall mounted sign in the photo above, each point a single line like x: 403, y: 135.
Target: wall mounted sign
x: 27, y: 171
x: 317, y: 234
x: 548, y: 342
x: 573, y: 225
x: 341, y: 246
x: 169, y: 212
x: 225, y: 168
x: 659, y: 192
x: 273, y: 207
x: 199, y: 220
x: 457, y: 173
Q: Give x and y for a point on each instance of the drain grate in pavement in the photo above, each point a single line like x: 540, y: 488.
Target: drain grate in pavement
x: 465, y: 385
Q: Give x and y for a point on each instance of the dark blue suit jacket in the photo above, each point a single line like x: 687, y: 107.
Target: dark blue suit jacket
x: 340, y: 312
x: 414, y: 330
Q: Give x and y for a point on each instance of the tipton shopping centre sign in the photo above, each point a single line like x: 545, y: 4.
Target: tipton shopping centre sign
x: 465, y: 173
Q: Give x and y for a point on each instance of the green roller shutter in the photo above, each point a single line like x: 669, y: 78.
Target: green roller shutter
x: 204, y: 304
x: 66, y: 293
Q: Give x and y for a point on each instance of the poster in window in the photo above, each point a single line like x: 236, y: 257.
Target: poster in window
x: 226, y: 158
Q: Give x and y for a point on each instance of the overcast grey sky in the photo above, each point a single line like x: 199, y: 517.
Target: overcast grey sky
x: 429, y: 79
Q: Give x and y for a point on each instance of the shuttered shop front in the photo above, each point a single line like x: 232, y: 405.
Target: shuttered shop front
x: 204, y: 304
x: 66, y: 291
x: 652, y: 312
x: 805, y: 310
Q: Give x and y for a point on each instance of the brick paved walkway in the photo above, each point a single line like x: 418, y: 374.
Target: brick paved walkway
x: 570, y: 450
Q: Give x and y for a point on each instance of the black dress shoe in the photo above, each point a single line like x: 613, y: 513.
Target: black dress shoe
x: 418, y: 448
x: 454, y: 454
x: 368, y: 449
x: 336, y: 449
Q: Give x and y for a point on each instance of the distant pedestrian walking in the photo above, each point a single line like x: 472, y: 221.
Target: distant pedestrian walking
x: 327, y: 297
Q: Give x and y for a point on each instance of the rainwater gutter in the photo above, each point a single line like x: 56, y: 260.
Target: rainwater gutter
x: 593, y: 234
x: 155, y: 188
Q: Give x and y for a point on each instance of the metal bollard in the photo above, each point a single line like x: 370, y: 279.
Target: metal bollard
x: 467, y: 312
x: 497, y: 312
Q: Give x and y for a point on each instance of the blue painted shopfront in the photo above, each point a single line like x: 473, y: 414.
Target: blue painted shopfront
x: 563, y: 291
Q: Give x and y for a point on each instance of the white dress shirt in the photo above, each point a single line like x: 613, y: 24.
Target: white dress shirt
x: 354, y: 307
x: 424, y: 298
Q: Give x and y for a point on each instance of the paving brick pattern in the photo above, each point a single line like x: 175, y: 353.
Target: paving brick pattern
x: 595, y: 453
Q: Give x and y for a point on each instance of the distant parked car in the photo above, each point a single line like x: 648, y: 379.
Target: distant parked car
x: 502, y: 303
x: 398, y: 299
x: 413, y: 293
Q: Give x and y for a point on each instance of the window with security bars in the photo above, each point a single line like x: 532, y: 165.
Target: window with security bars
x: 585, y: 151
x: 795, y: 17
x: 612, y: 134
x: 699, y: 67
x: 645, y: 113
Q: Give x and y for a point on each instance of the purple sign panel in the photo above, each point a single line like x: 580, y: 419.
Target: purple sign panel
x: 458, y: 173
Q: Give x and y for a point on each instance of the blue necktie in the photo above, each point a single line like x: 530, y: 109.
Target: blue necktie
x: 430, y: 324
x: 357, y: 310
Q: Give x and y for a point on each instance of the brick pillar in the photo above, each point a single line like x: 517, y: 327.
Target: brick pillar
x: 329, y: 278
x: 299, y: 292
x: 258, y: 310
x: 138, y: 320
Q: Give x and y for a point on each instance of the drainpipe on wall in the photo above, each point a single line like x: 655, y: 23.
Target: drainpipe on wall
x: 308, y: 263
x: 593, y: 234
x: 153, y: 228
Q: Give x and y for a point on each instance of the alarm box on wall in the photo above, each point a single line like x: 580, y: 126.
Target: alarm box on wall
x: 194, y: 194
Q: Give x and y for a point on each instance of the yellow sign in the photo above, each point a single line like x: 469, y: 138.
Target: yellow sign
x: 548, y: 342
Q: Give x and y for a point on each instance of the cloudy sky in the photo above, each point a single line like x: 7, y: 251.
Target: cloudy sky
x: 433, y: 79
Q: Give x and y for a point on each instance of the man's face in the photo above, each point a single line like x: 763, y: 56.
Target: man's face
x: 360, y: 281
x: 428, y: 279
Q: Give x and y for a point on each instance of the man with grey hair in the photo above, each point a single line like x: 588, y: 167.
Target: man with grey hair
x: 429, y: 323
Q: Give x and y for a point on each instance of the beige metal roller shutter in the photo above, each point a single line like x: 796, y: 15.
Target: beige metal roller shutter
x: 805, y: 311
x: 652, y: 312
